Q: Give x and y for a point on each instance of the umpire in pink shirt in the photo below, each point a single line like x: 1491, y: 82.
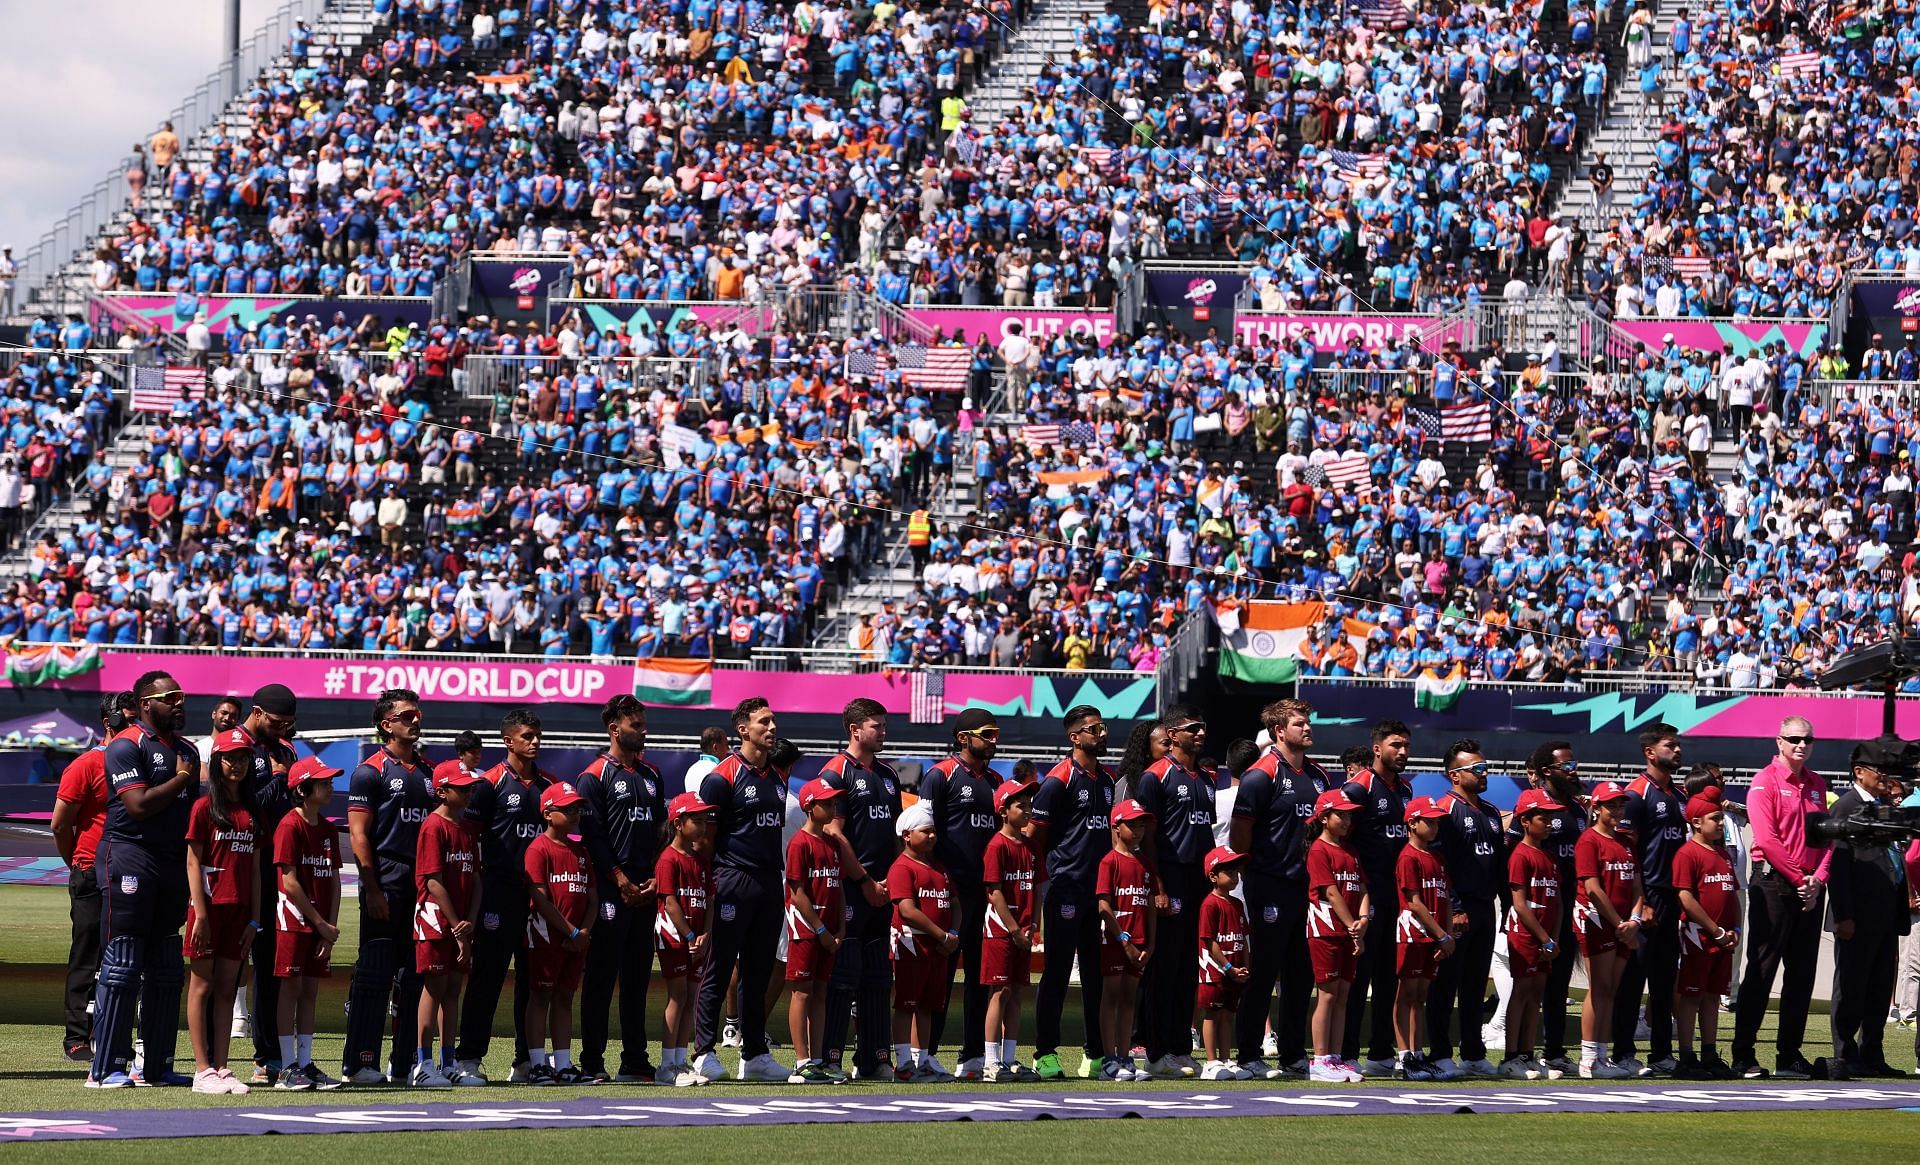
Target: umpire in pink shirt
x: 1783, y: 903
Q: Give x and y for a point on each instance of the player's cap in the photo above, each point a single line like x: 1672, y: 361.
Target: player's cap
x: 276, y: 700
x: 1424, y: 807
x: 1331, y: 800
x: 1130, y: 810
x: 559, y: 795
x: 233, y: 740
x: 973, y: 720
x: 917, y: 816
x: 310, y: 769
x: 453, y: 772
x: 1536, y: 801
x: 1221, y: 855
x: 685, y: 804
x: 1008, y: 790
x: 1704, y: 802
x: 1607, y: 791
x: 816, y: 791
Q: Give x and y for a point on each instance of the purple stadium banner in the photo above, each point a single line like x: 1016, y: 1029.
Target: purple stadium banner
x: 1330, y: 330
x: 1035, y: 322
x: 1802, y: 337
x: 172, y: 313
x: 501, y: 284
x: 726, y: 1107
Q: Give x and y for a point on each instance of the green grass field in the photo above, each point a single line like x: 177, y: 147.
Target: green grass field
x: 35, y: 1078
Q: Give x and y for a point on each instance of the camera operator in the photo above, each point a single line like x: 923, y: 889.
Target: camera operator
x: 1867, y: 891
x: 1784, y: 900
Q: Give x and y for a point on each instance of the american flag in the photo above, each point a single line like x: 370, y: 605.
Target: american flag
x: 1098, y: 157
x: 964, y: 146
x: 1426, y: 421
x: 1358, y: 168
x: 941, y: 369
x: 929, y: 700
x: 1685, y: 266
x: 157, y: 390
x: 1078, y: 433
x: 862, y: 362
x: 1378, y: 14
x: 1348, y: 470
x: 1040, y: 434
x: 1467, y: 422
x: 1798, y: 64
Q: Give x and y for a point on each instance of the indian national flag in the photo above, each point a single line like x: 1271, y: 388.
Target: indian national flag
x: 1437, y: 693
x: 1257, y: 640
x: 32, y: 664
x: 673, y: 681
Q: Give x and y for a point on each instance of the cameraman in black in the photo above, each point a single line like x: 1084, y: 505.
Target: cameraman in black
x: 1867, y: 896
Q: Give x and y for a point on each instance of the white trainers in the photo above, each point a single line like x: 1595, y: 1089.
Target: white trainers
x: 708, y: 1067
x: 765, y: 1069
x: 428, y: 1076
x: 938, y: 1070
x: 1168, y: 1068
x: 208, y: 1083
x: 1519, y: 1067
x: 684, y: 1077
x: 1327, y: 1071
x: 1602, y: 1070
x: 366, y: 1076
x: 730, y: 1034
x: 1354, y: 1074
x: 1216, y: 1070
x: 521, y: 1073
x: 995, y: 1073
x: 467, y: 1074
x: 1261, y: 1070
x: 1130, y: 1072
x: 1270, y: 1047
x: 971, y: 1069
x: 1553, y: 1069
x: 1493, y: 1035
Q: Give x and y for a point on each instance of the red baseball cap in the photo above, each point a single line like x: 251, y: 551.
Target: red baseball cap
x: 1330, y: 800
x: 453, y: 772
x: 1607, y: 791
x: 1221, y: 855
x: 1130, y: 810
x: 684, y: 804
x: 1424, y: 807
x: 233, y: 740
x: 1704, y: 802
x: 559, y: 795
x: 310, y: 769
x: 1007, y: 791
x: 1536, y: 801
x: 816, y: 791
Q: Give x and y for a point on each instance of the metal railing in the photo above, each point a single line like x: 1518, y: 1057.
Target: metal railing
x: 1183, y: 659
x: 490, y: 377
x: 102, y: 205
x: 450, y: 294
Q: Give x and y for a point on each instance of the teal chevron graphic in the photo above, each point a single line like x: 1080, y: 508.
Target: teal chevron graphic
x: 1124, y: 704
x: 1335, y: 720
x: 223, y: 312
x: 1679, y: 709
x: 1745, y: 338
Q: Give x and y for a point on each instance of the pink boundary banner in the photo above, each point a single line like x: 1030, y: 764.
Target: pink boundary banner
x: 485, y: 681
x: 1034, y: 322
x: 1327, y: 330
x: 1836, y: 718
x: 803, y: 692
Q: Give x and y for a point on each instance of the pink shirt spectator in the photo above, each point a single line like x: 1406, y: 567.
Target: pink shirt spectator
x: 1777, y: 808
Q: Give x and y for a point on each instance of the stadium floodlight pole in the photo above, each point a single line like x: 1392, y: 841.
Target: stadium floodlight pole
x: 231, y: 42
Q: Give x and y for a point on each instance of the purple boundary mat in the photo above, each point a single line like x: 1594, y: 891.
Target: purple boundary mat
x: 639, y: 1110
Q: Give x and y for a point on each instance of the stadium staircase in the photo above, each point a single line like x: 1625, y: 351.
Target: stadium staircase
x: 1627, y: 142
x: 1048, y: 33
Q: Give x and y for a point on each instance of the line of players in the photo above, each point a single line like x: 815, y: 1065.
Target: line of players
x: 1351, y: 891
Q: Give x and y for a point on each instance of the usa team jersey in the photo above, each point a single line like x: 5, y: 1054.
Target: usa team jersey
x: 964, y: 822
x: 1473, y: 849
x: 1609, y: 860
x: 564, y: 871
x: 869, y: 804
x: 1278, y: 799
x: 400, y: 798
x: 813, y: 865
x: 267, y: 773
x: 450, y: 850
x: 1182, y: 808
x: 1124, y: 879
x: 1330, y: 864
x: 312, y: 852
x: 1379, y: 829
x: 686, y: 879
x: 1421, y: 875
x: 1073, y: 804
x: 1708, y: 872
x: 927, y: 887
x: 1535, y: 872
x: 228, y: 856
x: 1013, y: 868
x: 136, y: 758
x: 1222, y: 921
x: 505, y: 813
x: 751, y: 809
x: 1657, y: 819
x: 620, y: 822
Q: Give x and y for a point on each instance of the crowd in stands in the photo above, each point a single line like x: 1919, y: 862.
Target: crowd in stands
x: 58, y: 411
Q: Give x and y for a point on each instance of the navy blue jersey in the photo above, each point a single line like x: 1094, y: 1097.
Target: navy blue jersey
x: 137, y: 758
x: 1379, y: 830
x: 1563, y: 836
x: 506, y: 810
x: 869, y: 804
x: 961, y: 800
x: 272, y: 800
x: 1074, y: 805
x: 750, y: 807
x: 1657, y: 820
x: 1279, y: 799
x: 1473, y: 849
x: 399, y: 796
x: 621, y: 820
x: 1181, y: 802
